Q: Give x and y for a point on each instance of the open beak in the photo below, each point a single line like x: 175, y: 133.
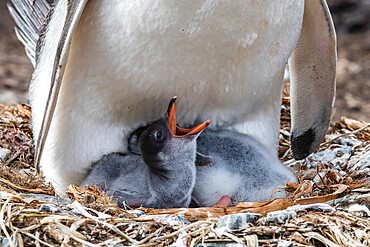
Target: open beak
x: 177, y: 131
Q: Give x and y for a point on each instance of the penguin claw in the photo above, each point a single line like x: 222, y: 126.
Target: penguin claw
x: 194, y: 203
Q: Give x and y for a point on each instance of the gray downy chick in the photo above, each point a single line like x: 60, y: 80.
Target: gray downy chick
x: 162, y: 175
x: 242, y: 169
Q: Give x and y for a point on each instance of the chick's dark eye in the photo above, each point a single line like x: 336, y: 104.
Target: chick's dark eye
x: 158, y: 135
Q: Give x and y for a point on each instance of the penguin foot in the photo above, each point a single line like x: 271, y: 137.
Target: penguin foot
x: 224, y: 201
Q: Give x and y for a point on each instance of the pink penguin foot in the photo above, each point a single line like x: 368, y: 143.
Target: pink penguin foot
x: 224, y: 201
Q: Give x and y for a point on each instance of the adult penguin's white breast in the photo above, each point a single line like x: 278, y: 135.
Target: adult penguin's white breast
x: 224, y: 59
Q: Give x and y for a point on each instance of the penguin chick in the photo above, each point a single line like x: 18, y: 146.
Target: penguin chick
x: 242, y: 169
x: 162, y: 176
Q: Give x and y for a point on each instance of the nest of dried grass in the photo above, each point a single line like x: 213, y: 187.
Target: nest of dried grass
x: 93, y: 220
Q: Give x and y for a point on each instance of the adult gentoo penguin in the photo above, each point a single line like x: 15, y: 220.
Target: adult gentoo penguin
x: 104, y: 68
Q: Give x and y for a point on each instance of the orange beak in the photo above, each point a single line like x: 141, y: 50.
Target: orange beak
x: 177, y: 131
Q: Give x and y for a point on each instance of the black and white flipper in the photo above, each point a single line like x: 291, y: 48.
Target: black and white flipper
x: 52, y: 55
x: 313, y: 76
